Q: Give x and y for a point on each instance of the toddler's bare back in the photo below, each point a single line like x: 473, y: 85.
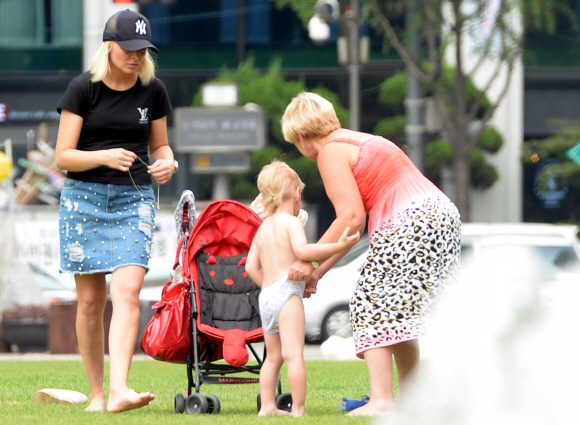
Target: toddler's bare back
x: 274, y: 247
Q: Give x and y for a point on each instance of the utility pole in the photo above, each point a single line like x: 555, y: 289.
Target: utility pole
x: 242, y: 36
x: 414, y: 103
x: 352, y: 15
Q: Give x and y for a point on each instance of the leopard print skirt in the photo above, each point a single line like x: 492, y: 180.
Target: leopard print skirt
x: 411, y: 260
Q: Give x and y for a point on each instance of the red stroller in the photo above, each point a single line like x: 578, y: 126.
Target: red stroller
x: 225, y: 318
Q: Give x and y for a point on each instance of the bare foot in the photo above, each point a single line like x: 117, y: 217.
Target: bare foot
x: 128, y: 401
x: 96, y: 405
x: 298, y: 413
x: 270, y: 412
x: 374, y: 408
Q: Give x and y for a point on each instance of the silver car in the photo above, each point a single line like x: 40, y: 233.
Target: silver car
x: 556, y: 246
x: 327, y: 310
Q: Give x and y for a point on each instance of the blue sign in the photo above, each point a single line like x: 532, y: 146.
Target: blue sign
x: 550, y: 188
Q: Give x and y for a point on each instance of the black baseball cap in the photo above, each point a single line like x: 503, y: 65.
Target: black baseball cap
x: 130, y: 30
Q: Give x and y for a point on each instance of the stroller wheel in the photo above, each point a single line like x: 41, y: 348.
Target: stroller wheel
x: 284, y: 402
x: 213, y: 404
x: 179, y: 403
x: 259, y: 402
x: 196, y: 404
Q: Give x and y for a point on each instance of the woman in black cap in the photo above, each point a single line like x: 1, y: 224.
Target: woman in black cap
x: 113, y: 121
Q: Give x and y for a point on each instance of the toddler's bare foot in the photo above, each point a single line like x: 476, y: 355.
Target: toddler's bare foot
x: 374, y: 409
x: 272, y: 411
x: 128, y: 400
x: 298, y: 412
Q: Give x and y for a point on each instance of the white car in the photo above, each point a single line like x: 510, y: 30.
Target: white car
x: 327, y: 310
x: 556, y: 246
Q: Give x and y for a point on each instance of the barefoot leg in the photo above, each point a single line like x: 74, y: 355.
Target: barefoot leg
x: 128, y: 401
x: 269, y: 376
x: 125, y: 286
x: 92, y: 298
x: 380, y: 368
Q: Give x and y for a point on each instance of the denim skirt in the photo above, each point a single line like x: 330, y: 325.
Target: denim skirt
x: 105, y: 226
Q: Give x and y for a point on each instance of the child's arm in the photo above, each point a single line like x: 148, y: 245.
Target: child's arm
x: 253, y: 266
x: 318, y: 251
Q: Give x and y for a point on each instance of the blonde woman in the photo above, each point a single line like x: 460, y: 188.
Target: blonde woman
x: 113, y: 119
x: 278, y: 243
x: 414, y: 234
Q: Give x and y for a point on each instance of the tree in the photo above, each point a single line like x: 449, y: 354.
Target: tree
x: 444, y: 26
x: 438, y: 153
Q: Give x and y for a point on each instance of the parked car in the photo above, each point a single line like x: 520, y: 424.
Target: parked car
x: 26, y: 310
x: 556, y: 246
x: 26, y: 315
x: 327, y: 311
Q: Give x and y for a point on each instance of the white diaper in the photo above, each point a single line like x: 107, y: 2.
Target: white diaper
x: 274, y: 297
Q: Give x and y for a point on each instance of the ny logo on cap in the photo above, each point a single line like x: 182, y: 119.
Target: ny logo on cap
x: 140, y: 27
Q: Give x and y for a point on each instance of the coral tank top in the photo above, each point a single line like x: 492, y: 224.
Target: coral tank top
x: 388, y: 181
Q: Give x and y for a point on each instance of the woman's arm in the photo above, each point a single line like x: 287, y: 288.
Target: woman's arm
x: 68, y: 157
x: 335, y: 166
x: 335, y: 162
x: 163, y: 166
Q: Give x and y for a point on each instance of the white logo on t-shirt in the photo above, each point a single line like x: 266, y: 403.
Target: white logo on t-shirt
x: 143, y: 112
x: 140, y: 27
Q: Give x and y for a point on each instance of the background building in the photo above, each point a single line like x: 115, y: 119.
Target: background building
x: 45, y: 43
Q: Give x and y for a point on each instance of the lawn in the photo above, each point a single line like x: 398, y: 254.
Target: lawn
x: 328, y: 382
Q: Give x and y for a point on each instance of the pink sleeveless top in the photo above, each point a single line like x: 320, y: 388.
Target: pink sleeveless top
x: 388, y: 180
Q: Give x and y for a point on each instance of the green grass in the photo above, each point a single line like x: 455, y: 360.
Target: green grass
x: 328, y: 382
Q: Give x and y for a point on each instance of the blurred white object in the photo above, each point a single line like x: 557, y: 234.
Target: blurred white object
x: 338, y: 348
x: 502, y: 354
x: 318, y: 30
x: 258, y: 208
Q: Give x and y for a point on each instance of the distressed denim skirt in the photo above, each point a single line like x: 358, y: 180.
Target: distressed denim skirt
x: 105, y: 226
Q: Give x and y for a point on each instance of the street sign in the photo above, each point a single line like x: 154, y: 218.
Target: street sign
x: 207, y: 130
x: 215, y: 163
x: 574, y: 153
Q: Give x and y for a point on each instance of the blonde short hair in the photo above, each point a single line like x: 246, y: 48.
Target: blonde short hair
x: 100, y: 66
x: 277, y: 182
x: 308, y: 115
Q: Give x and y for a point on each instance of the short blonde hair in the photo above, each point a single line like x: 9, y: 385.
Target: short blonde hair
x: 308, y: 115
x: 277, y: 182
x: 100, y: 66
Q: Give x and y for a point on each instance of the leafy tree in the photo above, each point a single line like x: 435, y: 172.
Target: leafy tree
x: 439, y: 153
x: 443, y: 25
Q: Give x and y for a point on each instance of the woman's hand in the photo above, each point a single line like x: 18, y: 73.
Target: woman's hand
x: 300, y: 270
x: 119, y: 159
x: 162, y: 170
x: 311, y: 284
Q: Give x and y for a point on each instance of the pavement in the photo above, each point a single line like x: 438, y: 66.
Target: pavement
x: 311, y: 352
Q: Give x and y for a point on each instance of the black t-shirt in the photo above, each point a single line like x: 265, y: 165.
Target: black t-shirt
x: 115, y: 119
